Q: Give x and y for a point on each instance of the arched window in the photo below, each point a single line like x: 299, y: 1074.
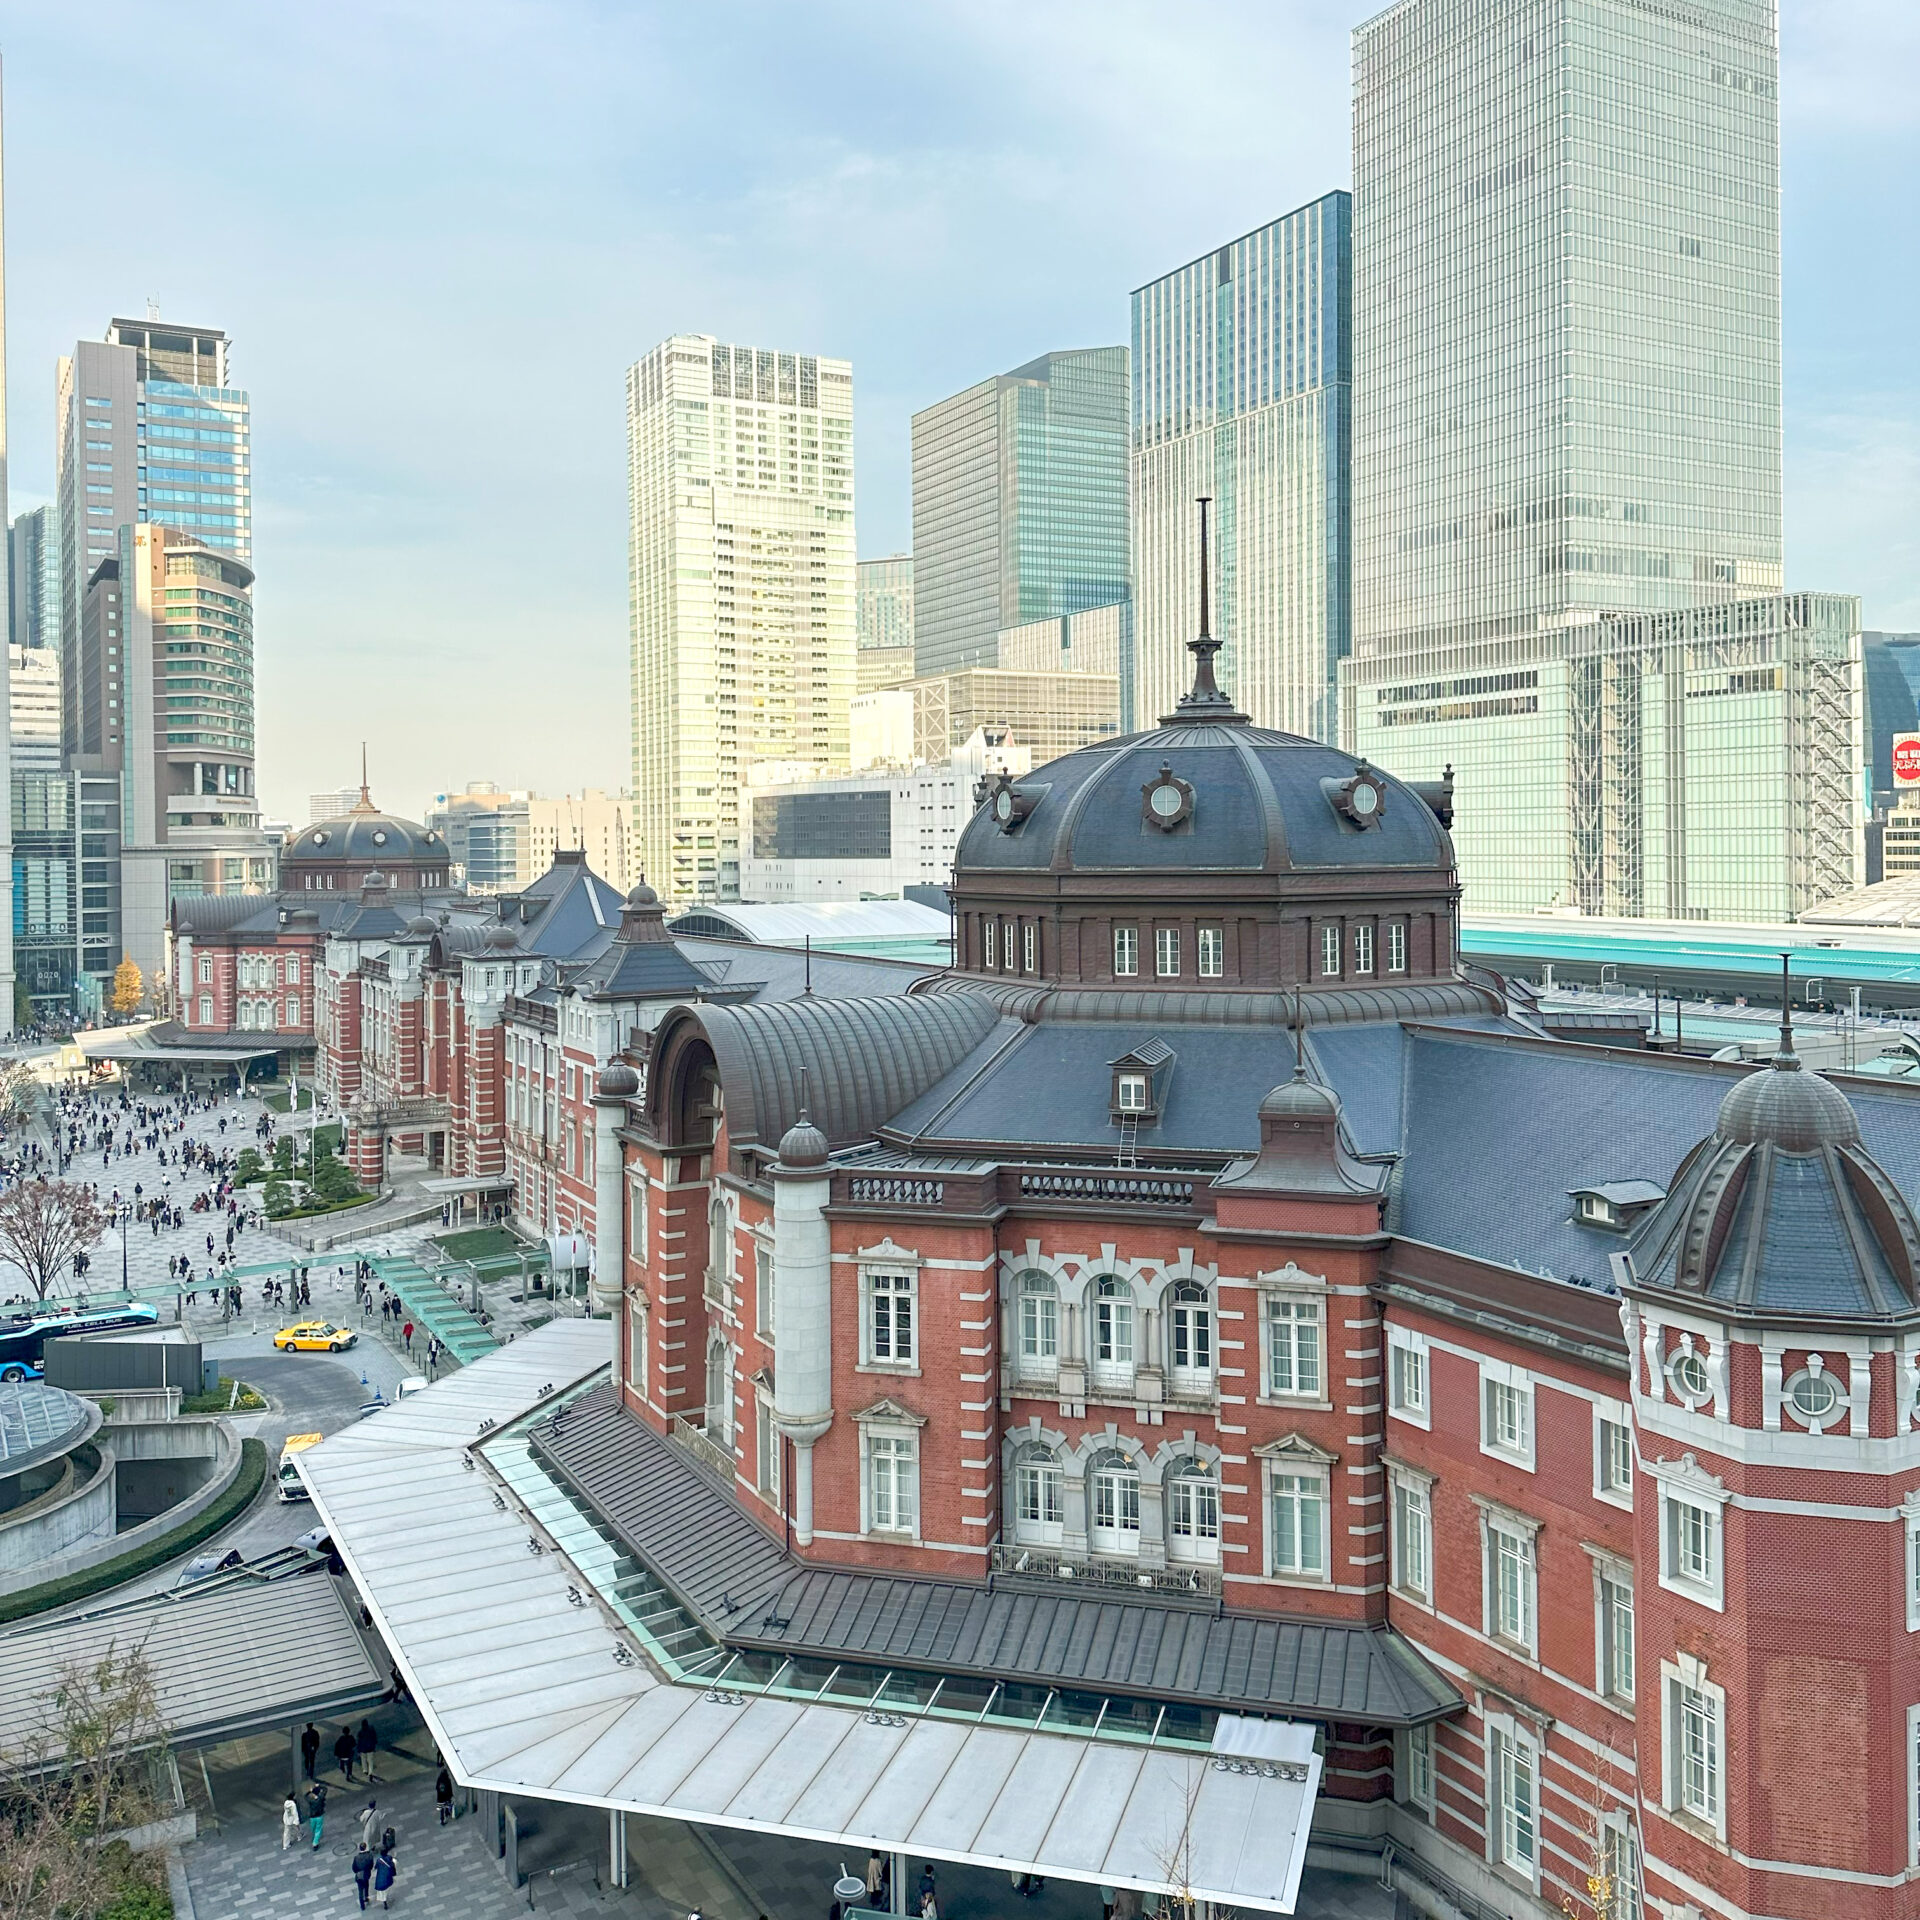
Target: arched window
x: 717, y: 1250
x: 1039, y: 1497
x: 1193, y: 1515
x: 1036, y: 1333
x: 1113, y: 1505
x: 1112, y: 1332
x: 1190, y: 1339
x: 719, y: 1392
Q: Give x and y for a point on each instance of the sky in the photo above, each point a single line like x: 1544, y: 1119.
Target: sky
x: 438, y: 235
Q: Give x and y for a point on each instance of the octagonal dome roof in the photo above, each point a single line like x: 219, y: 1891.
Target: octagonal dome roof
x: 366, y: 836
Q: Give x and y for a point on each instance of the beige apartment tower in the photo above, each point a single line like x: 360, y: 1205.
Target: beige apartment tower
x: 741, y: 577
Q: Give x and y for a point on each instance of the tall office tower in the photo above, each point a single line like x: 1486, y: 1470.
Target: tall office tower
x: 1567, y: 394
x: 6, y: 600
x: 33, y: 580
x: 741, y: 577
x: 1242, y: 390
x: 1019, y: 504
x: 157, y: 631
x: 883, y: 601
x: 33, y: 705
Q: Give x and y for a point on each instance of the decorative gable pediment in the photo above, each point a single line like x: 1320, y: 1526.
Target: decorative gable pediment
x: 889, y: 1413
x: 1295, y: 1446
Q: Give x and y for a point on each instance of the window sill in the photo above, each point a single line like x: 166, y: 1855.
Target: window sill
x: 1424, y: 1601
x: 1691, y: 1823
x: 1524, y: 1461
x: 1422, y: 1420
x: 900, y: 1369
x: 1313, y: 1582
x: 1614, y: 1497
x: 1295, y: 1402
x: 1709, y: 1597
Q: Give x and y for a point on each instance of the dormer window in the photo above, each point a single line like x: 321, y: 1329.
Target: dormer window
x: 1140, y: 1082
x: 1616, y: 1205
x: 1130, y: 1091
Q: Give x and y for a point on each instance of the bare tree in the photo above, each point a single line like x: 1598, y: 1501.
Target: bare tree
x: 85, y: 1771
x: 19, y: 1090
x: 44, y: 1223
x: 1174, y: 1856
x: 1610, y: 1895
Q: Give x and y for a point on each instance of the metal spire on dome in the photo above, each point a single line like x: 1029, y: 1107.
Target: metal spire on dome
x: 1205, y: 700
x: 365, y: 802
x: 1786, y: 1057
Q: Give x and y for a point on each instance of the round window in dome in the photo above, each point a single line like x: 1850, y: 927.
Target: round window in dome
x: 1687, y: 1374
x: 321, y: 836
x: 379, y: 836
x: 1166, y: 799
x: 1814, y: 1398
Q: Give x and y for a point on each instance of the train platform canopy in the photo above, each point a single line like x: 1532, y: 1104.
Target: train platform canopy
x: 509, y: 1619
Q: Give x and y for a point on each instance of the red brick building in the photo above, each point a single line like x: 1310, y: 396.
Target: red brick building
x: 1212, y: 1297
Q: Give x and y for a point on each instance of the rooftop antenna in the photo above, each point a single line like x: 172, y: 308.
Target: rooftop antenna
x: 1299, y: 1038
x: 153, y: 308
x: 808, y: 988
x: 1786, y: 1010
x: 366, y: 799
x: 1205, y: 701
x: 1655, y: 1035
x: 805, y: 1119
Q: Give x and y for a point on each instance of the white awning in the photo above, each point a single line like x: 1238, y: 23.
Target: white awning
x: 470, y: 1183
x: 532, y: 1687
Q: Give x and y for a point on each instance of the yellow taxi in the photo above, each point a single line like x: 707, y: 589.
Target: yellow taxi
x: 315, y: 1336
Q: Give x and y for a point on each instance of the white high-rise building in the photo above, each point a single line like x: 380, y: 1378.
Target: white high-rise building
x: 33, y: 701
x: 741, y: 579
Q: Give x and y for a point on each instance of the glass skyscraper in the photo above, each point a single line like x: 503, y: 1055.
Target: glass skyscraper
x: 1019, y: 504
x: 1242, y: 390
x: 1566, y: 315
x: 1567, y: 453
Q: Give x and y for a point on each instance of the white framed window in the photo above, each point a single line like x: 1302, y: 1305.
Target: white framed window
x: 1913, y: 1786
x: 292, y: 1015
x: 1039, y: 1498
x: 206, y: 1010
x: 1613, y: 1595
x: 206, y: 969
x: 1113, y: 1507
x: 1112, y: 1332
x: 1506, y: 1412
x: 1030, y: 946
x: 1690, y: 1555
x: 293, y: 969
x: 891, y: 1317
x: 637, y: 1342
x: 1407, y: 1387
x: 1513, y: 1585
x: 1193, y: 1516
x: 637, y: 1217
x: 1363, y: 949
x: 1126, y: 951
x: 766, y: 1449
x: 990, y: 943
x: 1687, y: 1375
x: 1037, y: 1329
x: 1190, y: 1339
x: 1513, y: 1791
x: 1166, y: 952
x: 1413, y: 1535
x: 1009, y: 936
x: 1612, y: 1456
x: 1330, y: 952
x: 1130, y: 1092
x: 1913, y: 1568
x: 893, y: 1481
x: 1397, y: 946
x: 1294, y: 1348
x: 718, y: 1253
x: 1297, y: 1520
x: 719, y: 1420
x: 1695, y: 1713
x: 1416, y: 1767
x: 1619, y: 1897
x: 763, y: 1292
x: 1211, y: 952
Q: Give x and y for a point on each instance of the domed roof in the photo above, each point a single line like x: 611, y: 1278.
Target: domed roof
x: 618, y: 1081
x: 642, y: 895
x: 366, y: 834
x: 1789, y: 1107
x: 803, y: 1145
x: 1200, y: 795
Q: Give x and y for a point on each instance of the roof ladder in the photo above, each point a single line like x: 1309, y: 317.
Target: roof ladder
x: 1129, y: 1140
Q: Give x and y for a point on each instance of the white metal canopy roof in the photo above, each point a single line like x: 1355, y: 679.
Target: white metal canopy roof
x: 533, y: 1687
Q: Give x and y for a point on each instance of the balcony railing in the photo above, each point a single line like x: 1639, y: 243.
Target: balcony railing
x: 711, y: 1455
x: 882, y: 1190
x: 1049, y: 1563
x: 1107, y: 1188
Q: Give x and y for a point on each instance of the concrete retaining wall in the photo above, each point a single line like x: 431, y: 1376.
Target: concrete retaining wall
x: 70, y: 1518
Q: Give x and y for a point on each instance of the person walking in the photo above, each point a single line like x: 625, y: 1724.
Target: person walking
x: 362, y: 1872
x: 369, y: 1824
x: 310, y: 1747
x: 317, y: 1810
x: 366, y: 1743
x: 443, y: 1795
x: 343, y: 1750
x: 406, y: 1337
x: 384, y: 1875
x: 289, y: 1822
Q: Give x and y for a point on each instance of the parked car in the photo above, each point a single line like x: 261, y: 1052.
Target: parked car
x: 315, y: 1336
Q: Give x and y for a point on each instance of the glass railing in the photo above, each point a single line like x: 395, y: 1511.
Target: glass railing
x: 687, y: 1653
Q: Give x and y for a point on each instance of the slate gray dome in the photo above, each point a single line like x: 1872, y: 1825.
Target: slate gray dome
x: 1300, y: 1099
x: 1789, y: 1107
x: 1262, y: 802
x: 618, y: 1081
x: 367, y: 837
x: 803, y: 1145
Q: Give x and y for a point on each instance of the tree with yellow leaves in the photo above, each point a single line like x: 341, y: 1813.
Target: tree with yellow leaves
x: 128, y: 989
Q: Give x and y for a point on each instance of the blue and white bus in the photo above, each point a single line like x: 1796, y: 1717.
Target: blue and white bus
x: 24, y: 1333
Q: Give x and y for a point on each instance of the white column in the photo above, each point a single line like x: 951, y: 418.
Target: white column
x: 802, y: 1325
x: 609, y: 1209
